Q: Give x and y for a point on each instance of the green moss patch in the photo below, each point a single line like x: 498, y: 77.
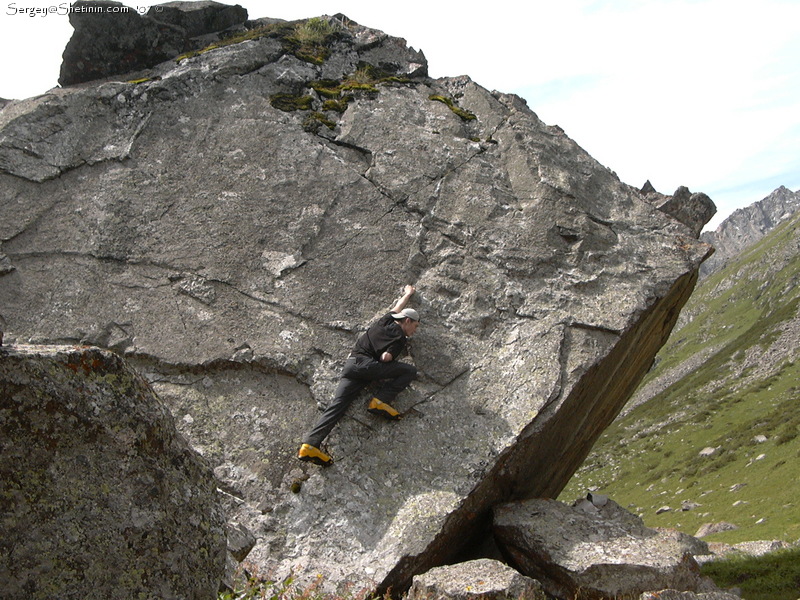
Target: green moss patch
x: 315, y: 120
x: 464, y: 114
x: 291, y: 102
x: 338, y: 106
x: 327, y: 88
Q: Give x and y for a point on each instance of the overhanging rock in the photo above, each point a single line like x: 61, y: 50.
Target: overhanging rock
x: 233, y: 250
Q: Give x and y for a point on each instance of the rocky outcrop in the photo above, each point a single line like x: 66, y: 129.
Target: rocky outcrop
x: 231, y: 223
x: 693, y: 210
x: 111, y: 38
x: 591, y: 551
x: 481, y: 579
x: 100, y: 497
x: 199, y: 18
x: 748, y: 225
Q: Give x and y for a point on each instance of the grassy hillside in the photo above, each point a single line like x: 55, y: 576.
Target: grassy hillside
x: 742, y: 400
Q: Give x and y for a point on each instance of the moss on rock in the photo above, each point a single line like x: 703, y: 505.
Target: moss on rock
x: 464, y: 114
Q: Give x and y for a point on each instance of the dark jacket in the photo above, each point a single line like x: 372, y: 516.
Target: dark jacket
x: 384, y: 335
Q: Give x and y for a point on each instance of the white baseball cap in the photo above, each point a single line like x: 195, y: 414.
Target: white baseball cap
x: 406, y: 313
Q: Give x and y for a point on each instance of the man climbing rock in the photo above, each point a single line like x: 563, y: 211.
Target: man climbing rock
x: 373, y: 358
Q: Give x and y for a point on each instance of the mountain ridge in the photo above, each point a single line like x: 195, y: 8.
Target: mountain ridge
x: 747, y: 225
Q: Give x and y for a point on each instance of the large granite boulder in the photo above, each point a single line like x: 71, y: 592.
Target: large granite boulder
x: 596, y: 552
x: 233, y: 222
x: 100, y: 496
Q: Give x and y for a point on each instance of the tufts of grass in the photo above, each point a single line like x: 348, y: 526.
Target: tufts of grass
x: 308, y: 40
x: 774, y: 576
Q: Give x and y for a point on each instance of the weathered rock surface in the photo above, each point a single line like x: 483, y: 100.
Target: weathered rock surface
x: 233, y: 250
x: 748, y: 225
x: 596, y: 552
x: 100, y: 496
x: 111, y: 38
x: 482, y: 579
x: 678, y: 595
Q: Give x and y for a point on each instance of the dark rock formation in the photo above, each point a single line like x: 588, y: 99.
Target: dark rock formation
x: 100, y: 496
x: 112, y: 39
x: 199, y: 18
x: 748, y: 225
x: 596, y: 552
x: 233, y: 222
x: 693, y: 210
x: 481, y: 579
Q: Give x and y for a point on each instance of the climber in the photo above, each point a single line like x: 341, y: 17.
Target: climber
x: 373, y: 358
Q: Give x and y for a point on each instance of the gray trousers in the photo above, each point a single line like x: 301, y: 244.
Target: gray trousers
x: 359, y: 372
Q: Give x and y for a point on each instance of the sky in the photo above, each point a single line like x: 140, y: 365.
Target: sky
x: 701, y: 93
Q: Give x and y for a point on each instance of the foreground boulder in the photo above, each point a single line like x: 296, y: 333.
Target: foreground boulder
x: 100, y: 496
x: 481, y: 579
x: 596, y: 552
x: 233, y: 222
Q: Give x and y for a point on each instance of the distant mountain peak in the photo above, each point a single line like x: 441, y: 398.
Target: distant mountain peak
x: 748, y: 225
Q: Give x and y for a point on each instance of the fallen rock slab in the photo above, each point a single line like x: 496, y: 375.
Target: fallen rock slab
x: 677, y: 595
x: 574, y: 553
x: 100, y: 496
x: 481, y: 579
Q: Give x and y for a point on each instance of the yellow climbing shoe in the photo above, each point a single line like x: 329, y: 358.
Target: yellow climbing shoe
x: 376, y: 407
x: 309, y: 453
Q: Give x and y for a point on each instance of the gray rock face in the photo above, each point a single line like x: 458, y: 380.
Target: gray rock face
x: 596, y: 552
x: 233, y: 248
x: 101, y: 496
x: 481, y: 579
x: 748, y: 225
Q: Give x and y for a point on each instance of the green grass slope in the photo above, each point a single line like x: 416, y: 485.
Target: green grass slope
x: 742, y: 400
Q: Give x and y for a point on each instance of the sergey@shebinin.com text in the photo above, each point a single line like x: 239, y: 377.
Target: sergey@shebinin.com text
x: 67, y: 8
